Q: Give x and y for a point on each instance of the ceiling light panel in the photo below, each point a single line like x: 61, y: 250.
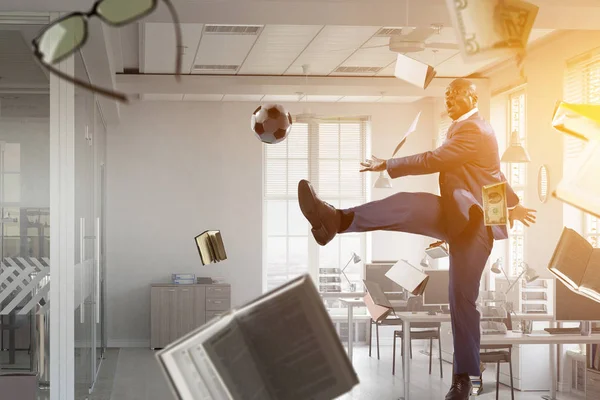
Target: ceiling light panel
x: 223, y: 49
x: 274, y: 98
x: 359, y: 99
x: 399, y: 99
x: 162, y: 97
x: 277, y: 47
x: 160, y: 47
x: 330, y: 48
x: 243, y: 97
x: 202, y: 97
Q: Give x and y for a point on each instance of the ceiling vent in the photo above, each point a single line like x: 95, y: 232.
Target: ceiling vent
x: 221, y: 68
x: 387, y: 32
x: 358, y: 70
x: 232, y: 29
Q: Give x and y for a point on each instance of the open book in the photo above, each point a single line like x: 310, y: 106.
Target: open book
x: 378, y: 305
x: 581, y: 188
x: 281, y: 346
x: 438, y: 250
x: 577, y: 264
x: 413, y: 71
x: 409, y: 277
x: 210, y: 246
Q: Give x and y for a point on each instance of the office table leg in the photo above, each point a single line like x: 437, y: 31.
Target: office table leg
x: 553, y: 374
x: 406, y: 358
x: 350, y: 331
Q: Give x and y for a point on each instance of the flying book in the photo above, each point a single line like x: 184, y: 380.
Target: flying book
x: 437, y: 250
x: 577, y: 264
x: 413, y: 71
x: 581, y: 188
x: 378, y: 305
x: 210, y: 246
x: 281, y: 346
x: 579, y: 120
x: 409, y: 277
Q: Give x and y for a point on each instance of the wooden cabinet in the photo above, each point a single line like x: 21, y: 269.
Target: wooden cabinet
x: 179, y: 309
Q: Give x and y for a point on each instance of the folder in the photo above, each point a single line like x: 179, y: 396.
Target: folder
x: 409, y: 277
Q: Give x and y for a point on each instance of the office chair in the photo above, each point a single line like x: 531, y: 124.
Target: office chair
x: 423, y: 331
x: 500, y: 354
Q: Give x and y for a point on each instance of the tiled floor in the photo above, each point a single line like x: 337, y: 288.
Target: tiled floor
x: 138, y: 377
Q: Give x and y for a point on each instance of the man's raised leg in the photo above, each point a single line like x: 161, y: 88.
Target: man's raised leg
x: 418, y: 213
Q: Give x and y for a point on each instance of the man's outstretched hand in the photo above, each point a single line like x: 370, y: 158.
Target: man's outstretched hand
x: 520, y: 213
x: 376, y: 165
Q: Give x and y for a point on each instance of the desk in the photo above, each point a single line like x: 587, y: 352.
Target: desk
x: 353, y: 302
x: 509, y: 338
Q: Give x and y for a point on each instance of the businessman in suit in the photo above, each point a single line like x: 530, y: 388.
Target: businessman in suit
x: 467, y: 161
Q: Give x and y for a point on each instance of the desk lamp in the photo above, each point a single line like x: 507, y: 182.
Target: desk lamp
x: 356, y: 259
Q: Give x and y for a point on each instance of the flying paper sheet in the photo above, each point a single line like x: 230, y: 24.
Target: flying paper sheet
x: 411, y: 129
x: 582, y: 188
x: 413, y: 71
x: 488, y: 29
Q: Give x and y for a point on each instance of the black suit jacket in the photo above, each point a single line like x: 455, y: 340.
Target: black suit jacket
x: 467, y: 161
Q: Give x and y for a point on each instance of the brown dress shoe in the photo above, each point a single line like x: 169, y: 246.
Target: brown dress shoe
x: 323, y: 217
x: 461, y: 388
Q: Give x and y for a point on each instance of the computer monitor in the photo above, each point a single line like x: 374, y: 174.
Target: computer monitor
x: 436, y: 291
x: 375, y: 272
x: 571, y: 306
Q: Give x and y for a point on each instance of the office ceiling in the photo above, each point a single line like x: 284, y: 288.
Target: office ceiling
x: 328, y: 50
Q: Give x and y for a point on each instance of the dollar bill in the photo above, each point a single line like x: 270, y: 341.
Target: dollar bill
x: 495, y: 207
x: 488, y: 29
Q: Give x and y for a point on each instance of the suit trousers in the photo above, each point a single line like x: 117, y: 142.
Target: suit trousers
x: 422, y: 213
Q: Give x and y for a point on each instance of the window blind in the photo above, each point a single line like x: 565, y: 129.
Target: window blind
x: 327, y: 152
x: 445, y: 122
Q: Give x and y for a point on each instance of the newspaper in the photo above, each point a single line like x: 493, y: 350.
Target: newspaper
x: 282, y: 346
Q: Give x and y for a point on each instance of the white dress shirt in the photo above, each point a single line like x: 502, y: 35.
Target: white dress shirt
x: 467, y: 115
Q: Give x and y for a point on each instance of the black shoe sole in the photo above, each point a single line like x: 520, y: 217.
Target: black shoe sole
x: 308, y: 203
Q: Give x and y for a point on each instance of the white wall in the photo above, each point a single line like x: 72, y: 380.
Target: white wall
x: 175, y: 169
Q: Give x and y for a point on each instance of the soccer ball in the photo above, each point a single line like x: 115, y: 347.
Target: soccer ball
x: 271, y: 123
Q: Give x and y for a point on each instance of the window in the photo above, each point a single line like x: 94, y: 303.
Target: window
x: 445, y: 122
x: 517, y: 178
x: 327, y: 152
x: 582, y: 85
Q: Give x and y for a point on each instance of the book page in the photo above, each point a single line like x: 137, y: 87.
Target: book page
x: 220, y: 247
x: 295, y: 344
x: 204, y: 248
x: 591, y: 280
x: 570, y: 258
x: 194, y: 377
x: 581, y: 189
x: 228, y: 352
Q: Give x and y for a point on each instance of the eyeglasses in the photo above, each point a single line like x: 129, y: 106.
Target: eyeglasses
x: 68, y: 34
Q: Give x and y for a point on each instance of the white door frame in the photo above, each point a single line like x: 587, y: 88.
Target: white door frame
x: 62, y: 233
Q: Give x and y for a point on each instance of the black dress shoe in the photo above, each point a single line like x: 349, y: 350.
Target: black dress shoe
x: 461, y: 387
x: 323, y: 217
